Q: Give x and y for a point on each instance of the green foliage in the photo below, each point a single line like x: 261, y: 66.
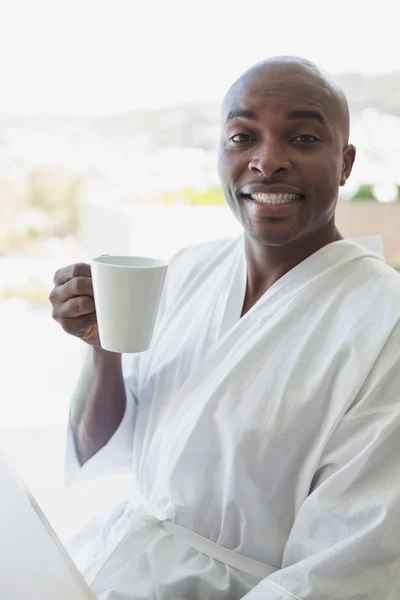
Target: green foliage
x: 192, y: 197
x: 34, y: 292
x: 211, y: 197
x: 41, y: 204
x: 55, y: 190
x: 365, y: 193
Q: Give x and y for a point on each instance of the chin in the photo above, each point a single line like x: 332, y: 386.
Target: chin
x: 272, y: 239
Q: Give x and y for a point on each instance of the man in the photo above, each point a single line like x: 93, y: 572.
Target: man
x: 263, y: 425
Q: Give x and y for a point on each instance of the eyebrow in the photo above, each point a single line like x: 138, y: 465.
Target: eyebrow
x: 292, y: 115
x: 241, y: 114
x: 298, y: 115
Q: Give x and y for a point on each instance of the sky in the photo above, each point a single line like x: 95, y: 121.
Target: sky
x: 103, y: 57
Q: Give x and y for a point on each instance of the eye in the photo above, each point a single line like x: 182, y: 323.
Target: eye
x: 306, y: 138
x: 239, y: 138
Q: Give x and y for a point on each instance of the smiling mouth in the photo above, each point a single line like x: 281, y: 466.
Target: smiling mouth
x: 274, y: 198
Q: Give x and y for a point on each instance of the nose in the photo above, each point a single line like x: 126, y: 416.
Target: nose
x: 269, y: 160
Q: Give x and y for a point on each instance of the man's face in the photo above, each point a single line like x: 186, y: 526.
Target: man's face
x: 282, y: 157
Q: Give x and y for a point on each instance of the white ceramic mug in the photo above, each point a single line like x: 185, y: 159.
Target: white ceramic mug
x: 127, y: 292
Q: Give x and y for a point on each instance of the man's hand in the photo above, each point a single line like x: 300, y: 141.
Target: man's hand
x: 73, y: 303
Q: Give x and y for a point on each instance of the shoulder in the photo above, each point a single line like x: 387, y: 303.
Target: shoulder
x: 200, y: 259
x: 200, y: 252
x: 380, y: 278
x: 365, y: 267
x: 380, y: 321
x: 194, y: 271
x: 365, y: 280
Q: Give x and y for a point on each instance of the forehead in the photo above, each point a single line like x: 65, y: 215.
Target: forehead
x: 273, y: 93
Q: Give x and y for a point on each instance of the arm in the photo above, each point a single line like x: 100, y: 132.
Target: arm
x: 94, y: 418
x: 345, y: 540
x: 99, y: 401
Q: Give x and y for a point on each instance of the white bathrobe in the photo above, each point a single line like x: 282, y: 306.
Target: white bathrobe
x: 265, y: 450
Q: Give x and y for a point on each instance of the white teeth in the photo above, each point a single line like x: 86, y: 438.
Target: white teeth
x: 274, y: 198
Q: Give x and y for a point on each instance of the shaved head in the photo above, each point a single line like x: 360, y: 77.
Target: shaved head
x: 293, y: 73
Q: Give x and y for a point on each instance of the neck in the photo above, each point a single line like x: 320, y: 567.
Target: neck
x: 267, y: 264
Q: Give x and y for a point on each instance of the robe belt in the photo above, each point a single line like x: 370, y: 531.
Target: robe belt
x: 216, y: 551
x: 194, y: 540
x: 162, y: 518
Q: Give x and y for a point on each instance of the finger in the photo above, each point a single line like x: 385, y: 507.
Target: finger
x: 79, y: 286
x: 76, y: 270
x: 74, y: 307
x: 78, y: 325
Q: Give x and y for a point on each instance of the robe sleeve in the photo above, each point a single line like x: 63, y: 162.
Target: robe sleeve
x: 116, y: 456
x: 345, y: 540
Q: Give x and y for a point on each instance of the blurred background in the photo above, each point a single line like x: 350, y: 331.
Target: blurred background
x: 109, y: 124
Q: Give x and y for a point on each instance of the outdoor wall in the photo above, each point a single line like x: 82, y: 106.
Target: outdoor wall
x: 370, y: 218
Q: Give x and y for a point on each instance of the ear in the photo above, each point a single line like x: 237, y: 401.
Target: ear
x: 349, y: 156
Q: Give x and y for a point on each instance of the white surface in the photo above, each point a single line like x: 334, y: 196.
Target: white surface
x: 127, y: 294
x: 33, y: 563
